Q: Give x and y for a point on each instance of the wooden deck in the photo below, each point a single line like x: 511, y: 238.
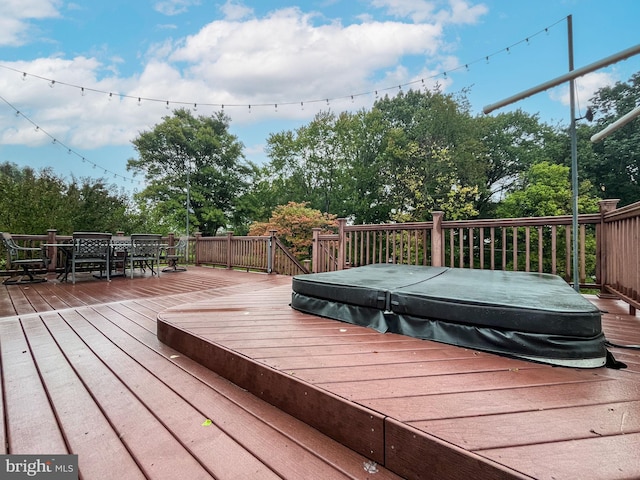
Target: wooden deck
x: 84, y: 372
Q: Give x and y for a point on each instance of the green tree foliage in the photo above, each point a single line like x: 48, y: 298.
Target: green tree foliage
x: 199, y: 153
x: 409, y: 155
x: 545, y: 190
x: 34, y: 202
x: 509, y: 144
x: 294, y: 224
x: 615, y: 166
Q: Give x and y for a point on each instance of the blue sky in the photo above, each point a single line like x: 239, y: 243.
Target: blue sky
x: 59, y: 60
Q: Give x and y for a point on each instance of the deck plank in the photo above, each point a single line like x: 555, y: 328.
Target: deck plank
x: 537, y: 426
x: 28, y: 413
x: 88, y: 432
x: 175, y: 427
x: 593, y: 458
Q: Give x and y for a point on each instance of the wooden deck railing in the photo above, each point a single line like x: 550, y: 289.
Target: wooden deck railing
x: 608, y: 246
x: 265, y: 253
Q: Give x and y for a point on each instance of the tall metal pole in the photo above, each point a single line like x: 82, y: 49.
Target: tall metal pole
x: 186, y: 251
x: 574, y: 159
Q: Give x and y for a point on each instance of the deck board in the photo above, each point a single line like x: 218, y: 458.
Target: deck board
x: 425, y: 390
x: 92, y: 378
x: 83, y: 371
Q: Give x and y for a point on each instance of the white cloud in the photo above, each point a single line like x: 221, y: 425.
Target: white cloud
x: 285, y: 57
x: 586, y: 87
x: 234, y: 10
x: 423, y: 10
x: 16, y: 18
x: 174, y: 7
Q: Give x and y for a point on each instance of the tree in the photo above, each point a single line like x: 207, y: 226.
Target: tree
x: 615, y: 165
x: 429, y: 157
x: 510, y: 144
x: 294, y: 224
x: 544, y: 191
x: 34, y: 202
x: 195, y: 156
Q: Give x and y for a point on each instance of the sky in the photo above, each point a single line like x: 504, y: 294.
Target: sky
x: 79, y: 80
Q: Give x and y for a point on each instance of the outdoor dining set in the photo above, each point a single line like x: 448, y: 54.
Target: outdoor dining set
x: 103, y: 253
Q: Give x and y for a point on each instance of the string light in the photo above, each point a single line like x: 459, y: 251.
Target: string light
x: 55, y: 141
x: 466, y: 66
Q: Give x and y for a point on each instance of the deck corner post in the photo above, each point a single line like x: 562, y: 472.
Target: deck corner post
x: 271, y: 254
x: 437, y: 253
x: 342, y: 222
x: 602, y: 253
x: 52, y: 252
x: 315, y: 250
x: 229, y: 250
x: 198, y: 236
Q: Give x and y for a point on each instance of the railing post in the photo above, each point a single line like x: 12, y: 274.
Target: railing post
x: 437, y: 253
x: 315, y: 250
x: 272, y: 250
x: 171, y: 239
x: 342, y: 222
x: 198, y: 236
x: 52, y: 252
x: 602, y: 253
x: 229, y: 250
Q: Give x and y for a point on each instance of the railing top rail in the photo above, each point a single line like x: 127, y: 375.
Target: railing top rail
x: 389, y: 226
x: 589, y: 218
x: 628, y: 211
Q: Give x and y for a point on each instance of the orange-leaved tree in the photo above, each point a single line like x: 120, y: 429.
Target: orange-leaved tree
x: 294, y: 224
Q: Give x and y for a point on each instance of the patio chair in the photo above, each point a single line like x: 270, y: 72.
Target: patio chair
x: 91, y: 251
x: 178, y: 252
x: 30, y: 259
x: 145, y: 252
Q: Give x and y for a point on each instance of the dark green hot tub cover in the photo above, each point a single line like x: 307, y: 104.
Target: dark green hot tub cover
x: 527, y: 315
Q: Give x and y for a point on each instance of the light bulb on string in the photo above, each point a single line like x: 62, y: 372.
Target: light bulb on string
x: 301, y: 105
x: 53, y: 82
x: 195, y: 107
x: 24, y: 76
x: 249, y: 108
x: 82, y: 91
x: 17, y: 113
x: 110, y: 96
x: 276, y: 106
x: 508, y: 51
x: 139, y: 102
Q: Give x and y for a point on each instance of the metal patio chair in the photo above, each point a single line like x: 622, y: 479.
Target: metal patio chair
x: 173, y: 259
x: 30, y: 259
x: 145, y: 252
x: 91, y: 251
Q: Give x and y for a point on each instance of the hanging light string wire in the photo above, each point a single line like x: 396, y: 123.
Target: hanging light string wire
x: 70, y: 151
x: 139, y: 99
